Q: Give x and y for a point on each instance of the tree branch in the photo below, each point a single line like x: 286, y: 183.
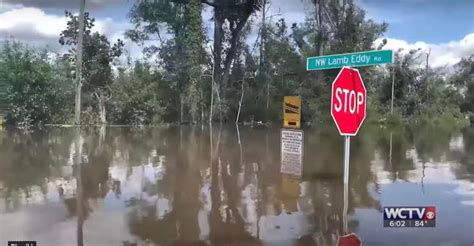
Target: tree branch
x: 97, y: 96
x: 233, y: 44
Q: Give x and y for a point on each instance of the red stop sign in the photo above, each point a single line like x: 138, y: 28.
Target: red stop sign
x: 349, y: 240
x: 348, y: 101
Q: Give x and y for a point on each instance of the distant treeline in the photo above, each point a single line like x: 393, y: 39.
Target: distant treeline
x: 189, y: 76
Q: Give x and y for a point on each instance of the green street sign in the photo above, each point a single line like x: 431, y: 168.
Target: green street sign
x: 358, y: 59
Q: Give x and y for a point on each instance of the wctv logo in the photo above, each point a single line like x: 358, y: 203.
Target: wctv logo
x: 409, y: 213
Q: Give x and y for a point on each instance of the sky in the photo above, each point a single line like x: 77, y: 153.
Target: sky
x: 444, y: 26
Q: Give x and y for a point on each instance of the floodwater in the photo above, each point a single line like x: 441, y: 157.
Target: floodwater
x: 224, y: 186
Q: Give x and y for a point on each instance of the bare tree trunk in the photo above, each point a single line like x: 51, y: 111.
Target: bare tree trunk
x: 101, y: 105
x: 77, y: 113
x: 103, y: 119
x: 212, y: 96
x: 230, y: 54
x: 202, y: 105
x: 102, y: 132
x: 268, y: 100
x: 222, y: 75
x: 212, y: 102
x: 220, y: 103
x: 427, y: 68
x: 214, y: 88
x: 262, y: 56
x: 318, y: 5
x: 240, y: 102
x: 217, y: 70
x: 181, y: 107
x: 263, y: 36
x: 102, y: 112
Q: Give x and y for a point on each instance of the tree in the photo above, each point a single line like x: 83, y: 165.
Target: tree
x: 140, y: 96
x: 36, y: 89
x: 98, y: 55
x: 179, y: 78
x: 406, y: 84
x: 337, y: 27
x: 421, y: 95
x: 196, y: 55
x: 182, y: 54
x: 464, y: 81
x: 233, y: 15
x: 284, y: 66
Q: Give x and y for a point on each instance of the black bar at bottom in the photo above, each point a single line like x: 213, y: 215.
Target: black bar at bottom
x: 21, y: 243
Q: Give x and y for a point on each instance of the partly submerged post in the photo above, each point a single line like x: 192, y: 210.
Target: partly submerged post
x: 77, y: 113
x: 347, y: 147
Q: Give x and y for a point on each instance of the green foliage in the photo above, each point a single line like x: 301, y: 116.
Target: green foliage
x: 138, y: 96
x: 463, y: 80
x: 196, y: 54
x: 36, y: 91
x: 451, y: 118
x: 421, y: 95
x: 36, y: 88
x: 283, y: 68
x: 182, y: 54
x: 98, y: 55
x: 345, y: 30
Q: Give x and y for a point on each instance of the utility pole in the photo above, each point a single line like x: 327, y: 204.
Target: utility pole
x: 79, y: 191
x: 262, y: 55
x: 77, y: 121
x: 77, y: 114
x: 393, y: 89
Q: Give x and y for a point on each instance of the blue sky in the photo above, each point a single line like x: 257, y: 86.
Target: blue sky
x: 445, y: 26
x: 433, y: 21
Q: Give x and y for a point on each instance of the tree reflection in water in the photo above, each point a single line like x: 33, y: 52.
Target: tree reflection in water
x: 222, y: 185
x: 249, y: 197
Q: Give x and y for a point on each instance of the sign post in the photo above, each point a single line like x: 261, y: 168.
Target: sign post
x: 347, y: 150
x: 348, y: 104
x: 348, y: 99
x: 348, y: 108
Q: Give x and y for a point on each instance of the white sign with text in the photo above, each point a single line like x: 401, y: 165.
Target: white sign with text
x: 292, y: 152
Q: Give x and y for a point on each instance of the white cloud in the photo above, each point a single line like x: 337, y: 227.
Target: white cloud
x: 64, y: 4
x: 445, y: 54
x: 35, y: 27
x: 112, y: 29
x: 31, y: 20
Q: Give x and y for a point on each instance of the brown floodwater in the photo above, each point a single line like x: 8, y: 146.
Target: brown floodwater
x: 225, y: 186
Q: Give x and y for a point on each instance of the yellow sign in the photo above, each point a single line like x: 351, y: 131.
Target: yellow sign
x: 292, y: 112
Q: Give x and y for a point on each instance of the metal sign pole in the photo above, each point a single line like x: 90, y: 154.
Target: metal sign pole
x: 347, y: 146
x: 346, y: 207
